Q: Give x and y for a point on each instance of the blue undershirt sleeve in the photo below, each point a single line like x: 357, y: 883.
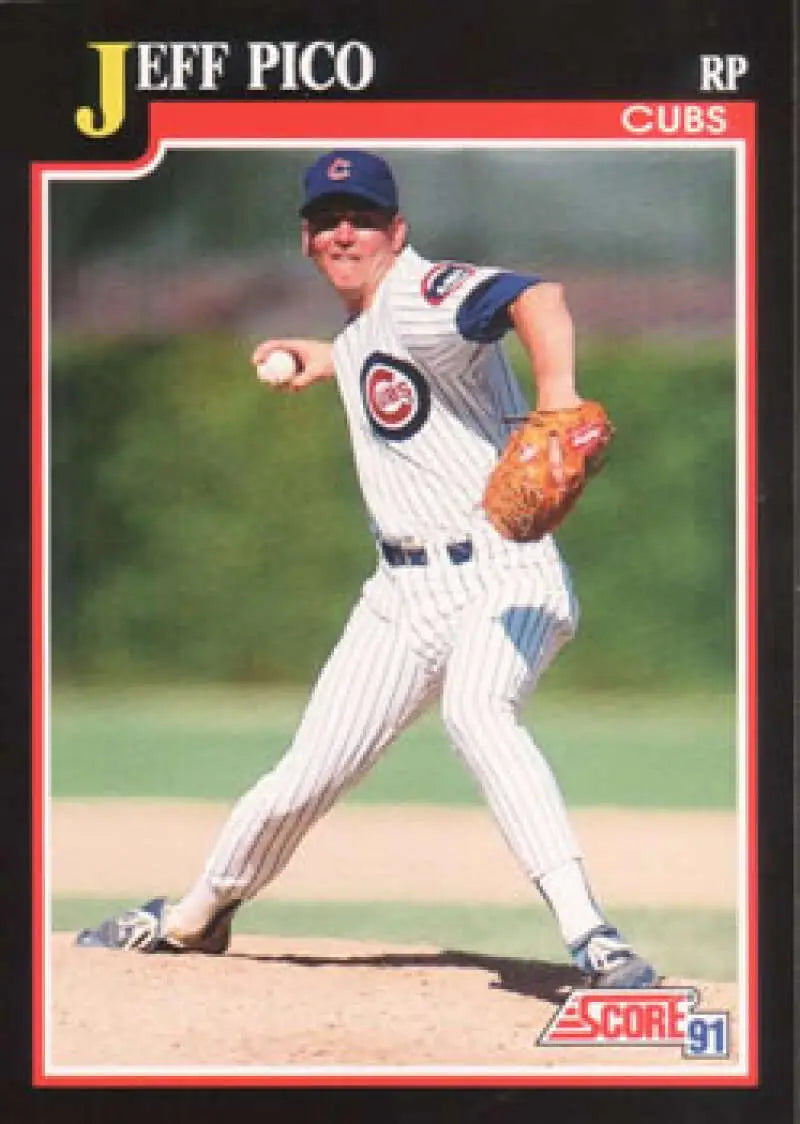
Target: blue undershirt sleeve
x: 483, y: 315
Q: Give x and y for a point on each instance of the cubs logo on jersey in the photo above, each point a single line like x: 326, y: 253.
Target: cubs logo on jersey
x: 445, y: 277
x: 396, y: 396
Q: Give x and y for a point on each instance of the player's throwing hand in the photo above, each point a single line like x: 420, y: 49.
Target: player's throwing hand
x: 312, y: 360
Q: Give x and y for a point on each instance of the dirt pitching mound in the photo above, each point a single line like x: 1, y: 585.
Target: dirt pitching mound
x: 277, y: 1005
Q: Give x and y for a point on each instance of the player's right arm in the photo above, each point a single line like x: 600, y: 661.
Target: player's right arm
x: 314, y: 359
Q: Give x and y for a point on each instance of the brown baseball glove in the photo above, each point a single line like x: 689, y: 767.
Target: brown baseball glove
x: 544, y: 468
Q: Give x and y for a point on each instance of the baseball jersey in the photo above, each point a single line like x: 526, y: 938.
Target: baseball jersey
x: 428, y: 394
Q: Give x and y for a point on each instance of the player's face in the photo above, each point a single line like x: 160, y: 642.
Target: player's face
x: 353, y: 246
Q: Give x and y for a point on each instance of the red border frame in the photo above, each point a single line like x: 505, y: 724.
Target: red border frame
x: 412, y: 121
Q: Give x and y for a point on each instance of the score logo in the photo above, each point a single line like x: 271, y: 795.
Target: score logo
x: 663, y: 1016
x: 675, y: 118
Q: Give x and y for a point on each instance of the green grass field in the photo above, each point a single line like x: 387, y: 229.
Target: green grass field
x: 212, y: 743
x: 695, y: 944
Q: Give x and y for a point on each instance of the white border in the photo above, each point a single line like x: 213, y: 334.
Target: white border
x: 296, y: 1073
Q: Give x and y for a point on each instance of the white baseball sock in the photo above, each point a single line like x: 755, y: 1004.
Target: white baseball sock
x: 567, y: 892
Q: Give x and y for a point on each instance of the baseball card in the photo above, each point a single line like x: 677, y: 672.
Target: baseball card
x: 400, y: 532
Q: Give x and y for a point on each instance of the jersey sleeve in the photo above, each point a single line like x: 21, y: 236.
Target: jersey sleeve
x: 442, y: 314
x: 483, y: 315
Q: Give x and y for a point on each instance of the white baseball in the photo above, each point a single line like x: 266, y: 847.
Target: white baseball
x: 277, y: 368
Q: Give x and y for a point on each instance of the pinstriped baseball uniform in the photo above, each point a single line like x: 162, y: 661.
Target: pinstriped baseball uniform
x: 452, y: 610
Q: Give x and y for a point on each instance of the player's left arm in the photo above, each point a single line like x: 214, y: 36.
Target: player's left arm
x: 545, y: 465
x: 469, y: 305
x: 542, y: 321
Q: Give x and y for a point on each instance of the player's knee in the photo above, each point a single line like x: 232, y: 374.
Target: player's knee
x: 471, y: 717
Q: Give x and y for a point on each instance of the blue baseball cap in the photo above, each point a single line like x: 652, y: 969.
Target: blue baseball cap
x: 350, y: 171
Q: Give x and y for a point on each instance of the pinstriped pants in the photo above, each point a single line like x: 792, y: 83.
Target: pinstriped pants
x: 478, y: 635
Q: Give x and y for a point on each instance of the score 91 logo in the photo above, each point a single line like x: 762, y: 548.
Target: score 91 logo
x: 707, y: 1035
x: 660, y: 1016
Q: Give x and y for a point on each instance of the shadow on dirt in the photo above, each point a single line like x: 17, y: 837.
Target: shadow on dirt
x: 538, y: 978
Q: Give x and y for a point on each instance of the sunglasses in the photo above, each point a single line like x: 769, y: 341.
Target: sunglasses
x: 362, y: 218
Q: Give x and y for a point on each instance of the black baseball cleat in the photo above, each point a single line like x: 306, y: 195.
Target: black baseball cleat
x: 608, y: 961
x: 147, y: 929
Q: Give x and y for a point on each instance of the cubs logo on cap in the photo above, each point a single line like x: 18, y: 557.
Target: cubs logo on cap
x: 339, y: 169
x: 350, y: 171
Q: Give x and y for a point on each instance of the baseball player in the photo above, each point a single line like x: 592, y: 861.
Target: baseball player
x: 454, y: 610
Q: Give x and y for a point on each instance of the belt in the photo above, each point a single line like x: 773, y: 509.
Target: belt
x: 397, y: 555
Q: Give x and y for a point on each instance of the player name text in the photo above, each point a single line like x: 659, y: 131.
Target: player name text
x: 286, y: 66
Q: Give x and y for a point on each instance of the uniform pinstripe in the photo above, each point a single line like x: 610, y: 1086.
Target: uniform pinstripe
x: 476, y: 634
